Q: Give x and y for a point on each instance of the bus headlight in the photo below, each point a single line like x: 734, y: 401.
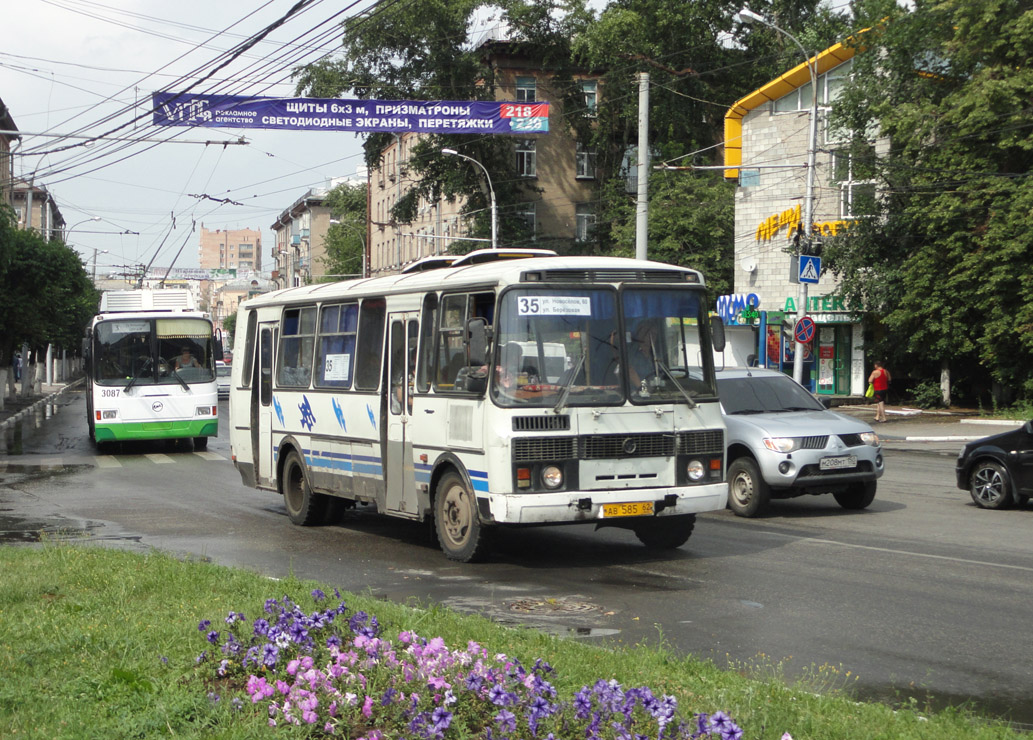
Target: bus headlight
x: 105, y: 415
x: 552, y: 477
x: 695, y: 470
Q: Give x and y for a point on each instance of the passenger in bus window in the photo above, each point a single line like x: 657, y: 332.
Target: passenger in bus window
x: 641, y: 354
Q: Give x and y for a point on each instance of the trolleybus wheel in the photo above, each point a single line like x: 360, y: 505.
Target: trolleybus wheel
x: 200, y: 443
x: 455, y: 518
x: 304, y: 507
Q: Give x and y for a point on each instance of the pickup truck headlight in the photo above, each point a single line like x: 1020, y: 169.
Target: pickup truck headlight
x: 780, y: 444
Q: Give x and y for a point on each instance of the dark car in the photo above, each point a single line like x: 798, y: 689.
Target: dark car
x: 998, y: 470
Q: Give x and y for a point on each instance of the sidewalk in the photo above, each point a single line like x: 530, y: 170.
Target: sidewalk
x: 17, y: 408
x: 934, y: 431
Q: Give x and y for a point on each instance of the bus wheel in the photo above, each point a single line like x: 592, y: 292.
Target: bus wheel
x: 667, y: 532
x: 304, y: 507
x: 200, y: 443
x: 455, y: 519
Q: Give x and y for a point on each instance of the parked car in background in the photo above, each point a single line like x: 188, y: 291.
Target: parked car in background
x: 222, y: 377
x: 782, y: 442
x: 997, y: 471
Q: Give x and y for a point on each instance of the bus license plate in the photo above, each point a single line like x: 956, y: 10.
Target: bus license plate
x: 637, y: 508
x: 838, y: 463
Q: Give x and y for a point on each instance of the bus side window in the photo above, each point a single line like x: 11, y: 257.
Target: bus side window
x: 428, y: 323
x: 294, y: 369
x: 249, y: 348
x: 335, y: 355
x: 370, y: 343
x: 451, y: 352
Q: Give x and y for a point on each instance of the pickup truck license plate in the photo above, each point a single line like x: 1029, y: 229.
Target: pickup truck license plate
x: 637, y: 508
x: 838, y: 463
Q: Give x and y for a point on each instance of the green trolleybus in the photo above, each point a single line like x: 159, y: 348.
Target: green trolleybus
x: 150, y: 368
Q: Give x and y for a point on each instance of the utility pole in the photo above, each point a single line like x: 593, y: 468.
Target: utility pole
x: 642, y: 205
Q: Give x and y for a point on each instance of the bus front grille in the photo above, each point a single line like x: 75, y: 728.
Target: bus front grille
x: 535, y: 449
x: 609, y: 446
x: 703, y: 442
x: 541, y: 423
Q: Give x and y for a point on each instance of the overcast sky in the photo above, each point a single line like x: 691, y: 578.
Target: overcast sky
x: 78, y: 67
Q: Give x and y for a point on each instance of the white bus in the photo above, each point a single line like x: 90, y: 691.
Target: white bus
x: 150, y: 358
x: 507, y: 388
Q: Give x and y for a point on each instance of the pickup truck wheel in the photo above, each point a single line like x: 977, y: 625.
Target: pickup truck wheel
x: 748, y: 493
x: 856, y: 495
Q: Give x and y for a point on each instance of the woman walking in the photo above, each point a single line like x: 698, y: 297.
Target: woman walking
x: 880, y: 380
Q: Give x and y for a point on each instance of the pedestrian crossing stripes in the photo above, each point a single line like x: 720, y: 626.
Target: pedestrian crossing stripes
x: 115, y: 461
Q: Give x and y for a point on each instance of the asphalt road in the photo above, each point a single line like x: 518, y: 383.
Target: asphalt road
x: 920, y: 595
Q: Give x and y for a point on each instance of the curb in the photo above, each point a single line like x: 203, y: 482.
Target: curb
x: 29, y: 409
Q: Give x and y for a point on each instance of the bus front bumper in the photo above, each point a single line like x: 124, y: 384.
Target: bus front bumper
x: 156, y: 430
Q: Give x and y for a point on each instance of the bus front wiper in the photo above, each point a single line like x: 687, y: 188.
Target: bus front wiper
x: 566, y: 386
x: 667, y: 371
x: 177, y: 376
x: 137, y: 374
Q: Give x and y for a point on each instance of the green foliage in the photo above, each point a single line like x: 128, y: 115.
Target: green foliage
x: 229, y: 325
x: 691, y: 219
x: 927, y: 395
x: 87, y: 655
x: 949, y: 264
x: 47, y: 296
x: 346, y: 239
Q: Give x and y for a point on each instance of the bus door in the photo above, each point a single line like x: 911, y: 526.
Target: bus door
x: 398, y: 461
x: 261, y: 405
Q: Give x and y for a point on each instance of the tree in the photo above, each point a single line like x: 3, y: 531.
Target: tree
x: 229, y: 326
x: 346, y: 238
x: 947, y: 264
x: 48, y: 297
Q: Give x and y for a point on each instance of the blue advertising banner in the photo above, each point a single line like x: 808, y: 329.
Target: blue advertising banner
x: 363, y: 116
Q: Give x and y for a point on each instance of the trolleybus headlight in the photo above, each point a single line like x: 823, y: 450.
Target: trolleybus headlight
x: 552, y: 477
x: 695, y: 470
x: 207, y: 410
x: 109, y: 414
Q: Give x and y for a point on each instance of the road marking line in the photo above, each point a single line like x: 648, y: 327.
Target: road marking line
x: 892, y: 551
x: 107, y: 461
x: 210, y: 455
x: 157, y: 457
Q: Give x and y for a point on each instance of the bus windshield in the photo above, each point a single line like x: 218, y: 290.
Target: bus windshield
x: 592, y: 348
x: 159, y: 351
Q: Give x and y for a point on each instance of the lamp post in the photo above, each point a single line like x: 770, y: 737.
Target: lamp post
x: 491, y: 192
x: 73, y: 228
x: 748, y: 16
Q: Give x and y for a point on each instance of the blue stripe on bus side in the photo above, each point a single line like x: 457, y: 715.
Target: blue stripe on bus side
x: 479, y: 479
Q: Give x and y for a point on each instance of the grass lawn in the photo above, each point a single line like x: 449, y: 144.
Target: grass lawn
x: 103, y: 643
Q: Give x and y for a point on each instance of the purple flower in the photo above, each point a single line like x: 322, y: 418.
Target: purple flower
x: 318, y: 595
x: 270, y: 653
x: 203, y: 625
x: 506, y: 721
x: 213, y: 637
x: 441, y: 718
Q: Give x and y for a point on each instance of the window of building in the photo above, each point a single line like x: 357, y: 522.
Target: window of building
x: 525, y: 90
x: 526, y: 213
x: 526, y: 158
x: 297, y: 337
x: 830, y: 85
x: 585, y: 162
x: 590, y: 88
x: 584, y: 216
x: 854, y: 171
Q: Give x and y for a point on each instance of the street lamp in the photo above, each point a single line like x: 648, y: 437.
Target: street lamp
x: 491, y: 191
x: 748, y: 16
x: 73, y: 228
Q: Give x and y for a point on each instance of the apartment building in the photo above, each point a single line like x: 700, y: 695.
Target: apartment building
x: 6, y: 160
x: 553, y: 162
x: 36, y: 209
x: 231, y: 249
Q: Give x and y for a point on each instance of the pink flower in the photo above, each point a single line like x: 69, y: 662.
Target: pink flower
x: 367, y: 707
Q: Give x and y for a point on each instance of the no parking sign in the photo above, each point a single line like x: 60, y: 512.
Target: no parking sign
x: 804, y: 331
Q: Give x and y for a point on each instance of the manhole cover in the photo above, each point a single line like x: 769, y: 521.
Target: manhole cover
x: 551, y: 606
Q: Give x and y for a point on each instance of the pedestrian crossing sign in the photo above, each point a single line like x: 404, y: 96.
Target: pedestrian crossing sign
x: 810, y: 269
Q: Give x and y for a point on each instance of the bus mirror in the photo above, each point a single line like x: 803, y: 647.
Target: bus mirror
x: 477, y: 341
x: 717, y: 333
